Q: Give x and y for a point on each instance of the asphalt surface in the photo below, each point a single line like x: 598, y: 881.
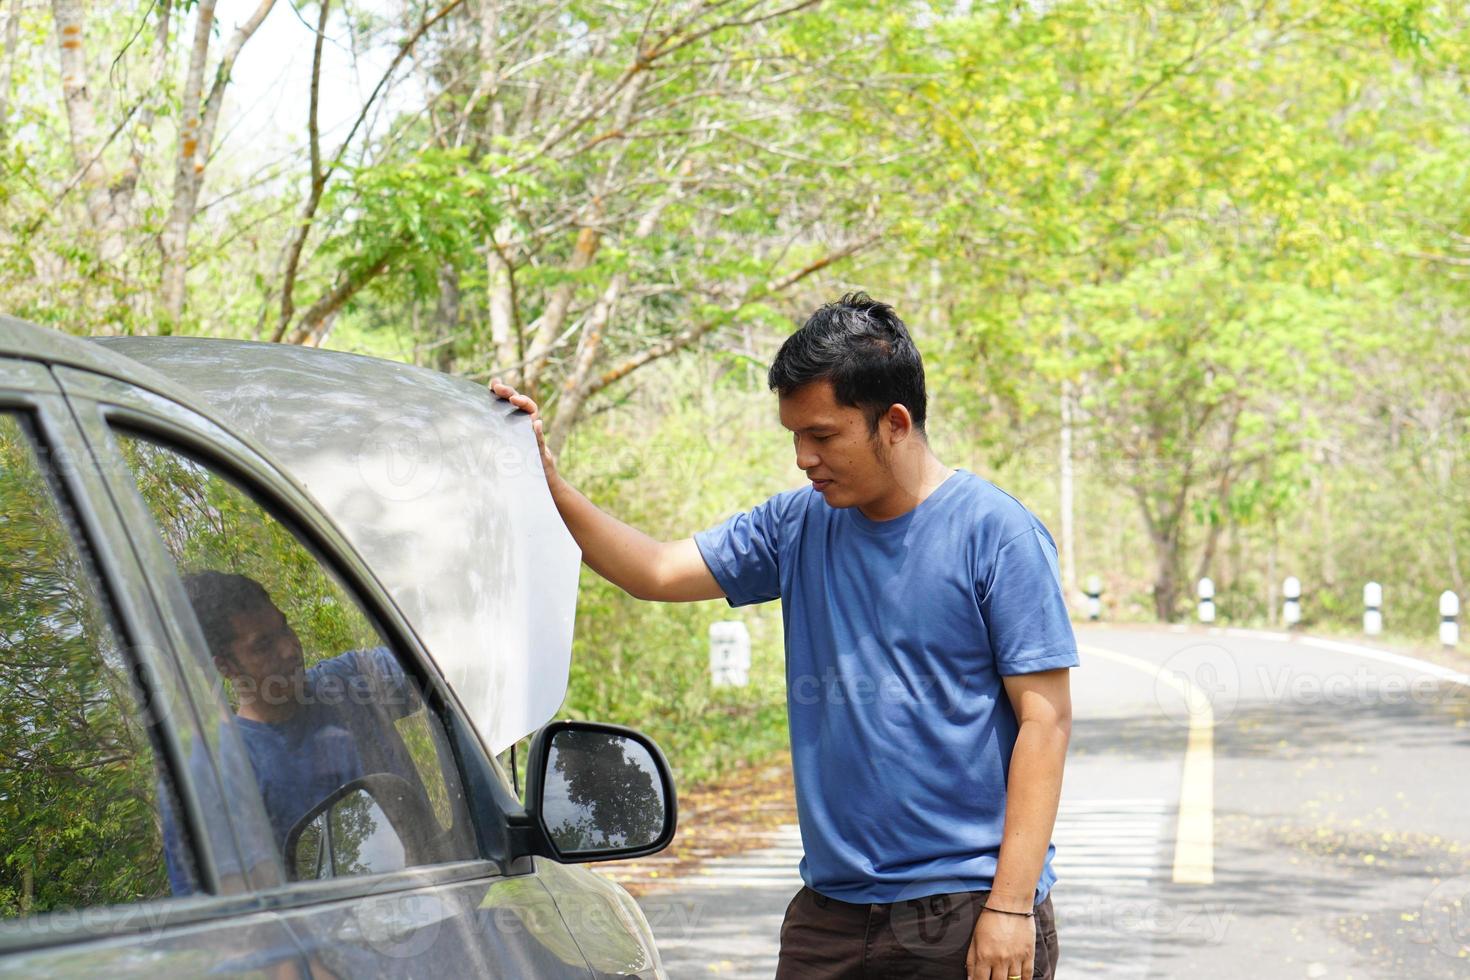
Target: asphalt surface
x: 1235, y: 805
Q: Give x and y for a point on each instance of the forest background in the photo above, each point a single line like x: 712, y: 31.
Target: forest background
x: 1189, y: 278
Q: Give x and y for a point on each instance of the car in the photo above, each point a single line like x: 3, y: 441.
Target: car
x: 274, y: 621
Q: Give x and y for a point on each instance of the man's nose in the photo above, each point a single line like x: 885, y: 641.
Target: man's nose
x: 806, y: 460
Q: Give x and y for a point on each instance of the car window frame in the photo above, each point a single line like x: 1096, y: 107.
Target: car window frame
x: 105, y: 404
x: 29, y: 389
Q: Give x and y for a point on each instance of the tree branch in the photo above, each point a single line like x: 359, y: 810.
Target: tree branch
x: 315, y: 189
x: 684, y: 338
x: 347, y: 286
x: 297, y: 241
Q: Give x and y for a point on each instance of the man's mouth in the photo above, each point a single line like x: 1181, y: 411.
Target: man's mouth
x: 820, y: 485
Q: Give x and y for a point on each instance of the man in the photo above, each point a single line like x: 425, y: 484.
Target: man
x: 927, y: 647
x: 307, y: 730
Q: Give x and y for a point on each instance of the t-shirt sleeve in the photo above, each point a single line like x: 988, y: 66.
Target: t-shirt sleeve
x: 1024, y: 610
x: 374, y: 674
x: 743, y: 553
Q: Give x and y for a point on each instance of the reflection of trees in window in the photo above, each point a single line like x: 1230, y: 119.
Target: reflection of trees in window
x: 311, y: 853
x: 356, y: 844
x: 208, y: 523
x: 618, y: 798
x: 432, y: 760
x: 79, y: 825
x: 354, y: 819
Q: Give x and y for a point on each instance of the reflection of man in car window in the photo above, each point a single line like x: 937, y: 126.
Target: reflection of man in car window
x: 306, y: 729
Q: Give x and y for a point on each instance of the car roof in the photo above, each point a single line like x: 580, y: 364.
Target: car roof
x: 436, y: 484
x: 31, y: 342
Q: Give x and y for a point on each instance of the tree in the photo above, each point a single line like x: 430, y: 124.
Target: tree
x: 79, y: 816
x: 110, y: 186
x: 1196, y: 394
x: 594, y: 188
x: 1090, y: 160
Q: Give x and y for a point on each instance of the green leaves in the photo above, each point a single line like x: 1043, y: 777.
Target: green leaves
x: 433, y: 208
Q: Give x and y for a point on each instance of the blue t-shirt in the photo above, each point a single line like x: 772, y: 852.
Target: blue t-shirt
x: 342, y: 730
x: 897, y: 635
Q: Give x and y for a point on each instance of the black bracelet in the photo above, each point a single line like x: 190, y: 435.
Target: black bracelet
x: 987, y: 908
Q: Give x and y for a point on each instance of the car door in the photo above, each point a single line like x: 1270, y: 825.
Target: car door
x: 107, y: 854
x: 368, y: 881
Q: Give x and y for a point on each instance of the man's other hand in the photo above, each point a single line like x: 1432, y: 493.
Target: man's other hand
x: 1002, y: 946
x: 506, y: 393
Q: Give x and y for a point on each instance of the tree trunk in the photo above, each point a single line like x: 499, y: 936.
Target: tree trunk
x: 588, y: 241
x: 188, y: 168
x: 1217, y: 526
x: 1163, y: 533
x: 1271, y: 594
x: 1166, y: 578
x: 296, y: 240
x: 173, y: 243
x: 106, y: 209
x: 1207, y: 554
x: 554, y: 317
x: 1069, y: 554
x: 446, y: 318
x: 1232, y: 582
x: 500, y: 298
x: 12, y: 41
x: 199, y: 114
x: 576, y: 391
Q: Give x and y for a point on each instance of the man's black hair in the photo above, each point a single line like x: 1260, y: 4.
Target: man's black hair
x: 218, y: 596
x: 862, y: 347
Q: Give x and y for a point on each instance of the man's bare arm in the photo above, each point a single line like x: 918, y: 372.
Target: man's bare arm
x: 666, y: 571
x: 1043, y: 706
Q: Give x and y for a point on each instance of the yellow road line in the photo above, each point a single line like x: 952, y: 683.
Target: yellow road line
x: 1194, y: 842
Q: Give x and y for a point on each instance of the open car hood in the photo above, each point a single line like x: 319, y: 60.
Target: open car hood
x: 437, y: 485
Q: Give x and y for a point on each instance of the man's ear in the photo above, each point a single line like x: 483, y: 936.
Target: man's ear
x: 226, y: 667
x: 900, y: 423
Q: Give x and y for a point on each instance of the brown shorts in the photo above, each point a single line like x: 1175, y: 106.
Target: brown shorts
x: 825, y: 939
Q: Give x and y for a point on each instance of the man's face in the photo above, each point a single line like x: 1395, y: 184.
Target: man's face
x: 846, y: 465
x: 263, y: 647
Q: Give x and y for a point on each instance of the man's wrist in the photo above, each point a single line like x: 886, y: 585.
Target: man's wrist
x: 1009, y: 913
x: 1009, y: 903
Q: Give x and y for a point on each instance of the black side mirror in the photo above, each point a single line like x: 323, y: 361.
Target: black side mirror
x: 596, y: 792
x: 371, y: 825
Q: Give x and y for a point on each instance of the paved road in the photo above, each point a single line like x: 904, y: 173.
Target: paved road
x: 1235, y: 805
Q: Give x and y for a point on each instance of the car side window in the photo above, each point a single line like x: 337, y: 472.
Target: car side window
x: 81, y: 820
x: 344, y: 753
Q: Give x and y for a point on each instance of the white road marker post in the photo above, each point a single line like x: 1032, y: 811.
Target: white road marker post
x: 1093, y: 591
x: 1372, y: 609
x: 729, y: 654
x: 1206, y: 600
x: 1291, y: 610
x: 1449, y: 629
